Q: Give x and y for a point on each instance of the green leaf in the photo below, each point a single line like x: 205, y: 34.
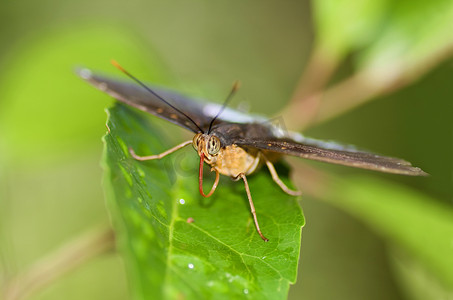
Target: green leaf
x: 414, y: 279
x: 415, y: 223
x: 44, y: 101
x: 179, y: 245
x: 342, y: 26
x: 412, y: 33
x: 388, y: 37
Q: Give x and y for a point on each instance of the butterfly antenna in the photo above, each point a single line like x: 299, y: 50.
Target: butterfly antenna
x: 117, y: 65
x: 235, y: 87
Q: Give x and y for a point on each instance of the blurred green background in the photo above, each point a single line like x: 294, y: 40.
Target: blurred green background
x: 50, y: 129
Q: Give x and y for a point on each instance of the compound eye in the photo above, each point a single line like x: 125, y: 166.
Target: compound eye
x: 213, y: 145
x: 196, y: 141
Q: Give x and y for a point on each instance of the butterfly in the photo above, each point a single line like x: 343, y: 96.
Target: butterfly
x: 235, y: 144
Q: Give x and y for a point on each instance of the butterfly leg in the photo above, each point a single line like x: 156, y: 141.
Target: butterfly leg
x: 277, y: 179
x: 252, y: 207
x: 159, y: 156
x: 200, y: 179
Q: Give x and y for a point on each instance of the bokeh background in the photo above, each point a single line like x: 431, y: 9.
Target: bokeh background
x: 50, y: 130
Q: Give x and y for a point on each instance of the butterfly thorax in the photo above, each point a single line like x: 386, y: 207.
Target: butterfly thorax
x: 230, y: 160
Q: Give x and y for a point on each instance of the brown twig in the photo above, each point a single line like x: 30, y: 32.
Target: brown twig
x: 316, y: 75
x: 53, y: 266
x: 366, y: 85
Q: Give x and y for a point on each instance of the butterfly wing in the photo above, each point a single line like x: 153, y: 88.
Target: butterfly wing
x: 334, y: 155
x: 136, y: 96
x: 202, y: 114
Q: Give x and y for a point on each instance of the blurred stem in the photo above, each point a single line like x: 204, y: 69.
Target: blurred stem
x: 350, y: 93
x: 70, y: 256
x: 312, y: 181
x: 320, y: 67
x: 311, y: 105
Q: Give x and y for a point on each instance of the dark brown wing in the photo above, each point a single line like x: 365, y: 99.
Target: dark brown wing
x: 136, y: 96
x: 355, y: 159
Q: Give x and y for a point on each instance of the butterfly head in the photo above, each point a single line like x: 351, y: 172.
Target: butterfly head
x: 207, y: 144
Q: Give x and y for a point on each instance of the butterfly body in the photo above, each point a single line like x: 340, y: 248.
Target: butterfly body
x: 233, y: 160
x: 224, y: 155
